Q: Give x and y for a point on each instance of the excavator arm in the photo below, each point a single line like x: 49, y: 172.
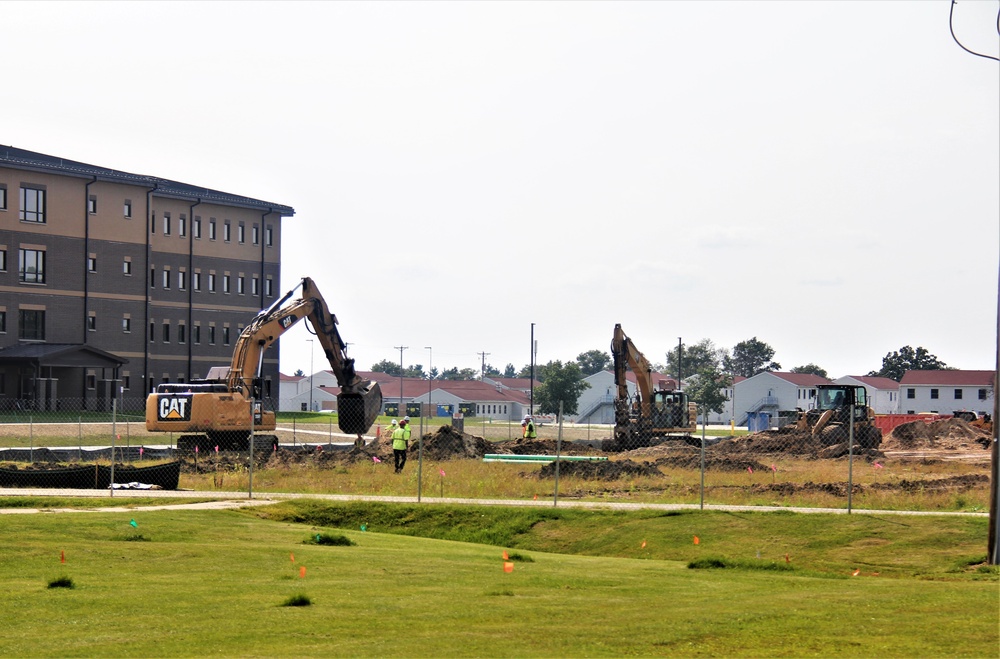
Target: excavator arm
x: 359, y: 400
x: 627, y: 356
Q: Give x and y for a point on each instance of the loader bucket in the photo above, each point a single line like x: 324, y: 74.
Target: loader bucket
x: 357, y: 411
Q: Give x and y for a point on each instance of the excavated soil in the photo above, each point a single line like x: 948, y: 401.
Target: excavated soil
x: 603, y: 470
x: 944, y: 435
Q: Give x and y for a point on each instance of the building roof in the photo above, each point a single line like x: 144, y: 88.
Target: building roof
x: 801, y: 379
x: 30, y: 160
x: 61, y: 355
x: 876, y: 382
x: 949, y: 378
x: 470, y: 390
x: 290, y: 378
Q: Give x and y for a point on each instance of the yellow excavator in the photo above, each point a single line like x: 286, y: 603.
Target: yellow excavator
x: 830, y: 420
x: 654, y: 414
x: 216, y: 411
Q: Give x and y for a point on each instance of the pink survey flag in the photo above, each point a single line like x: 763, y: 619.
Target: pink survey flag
x: 877, y: 465
x: 773, y: 468
x: 375, y: 459
x: 442, y: 472
x: 750, y: 469
x: 216, y: 448
x: 140, y: 450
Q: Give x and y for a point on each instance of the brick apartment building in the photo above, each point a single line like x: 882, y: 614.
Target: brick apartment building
x: 112, y: 282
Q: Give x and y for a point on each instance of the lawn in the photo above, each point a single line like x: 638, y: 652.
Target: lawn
x: 430, y: 581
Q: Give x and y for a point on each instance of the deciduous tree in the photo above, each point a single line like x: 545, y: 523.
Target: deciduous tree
x: 810, y: 368
x: 561, y: 382
x: 749, y: 358
x: 593, y: 361
x: 895, y: 364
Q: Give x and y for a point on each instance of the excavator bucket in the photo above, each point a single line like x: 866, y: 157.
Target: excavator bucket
x: 357, y: 411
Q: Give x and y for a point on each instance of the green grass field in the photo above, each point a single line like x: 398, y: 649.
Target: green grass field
x: 426, y: 581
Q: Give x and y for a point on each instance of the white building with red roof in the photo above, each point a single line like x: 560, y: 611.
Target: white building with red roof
x: 883, y: 393
x: 946, y: 392
x: 773, y: 392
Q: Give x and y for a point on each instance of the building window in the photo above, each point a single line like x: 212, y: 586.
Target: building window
x: 152, y: 223
x: 911, y: 393
x: 3, y: 322
x: 255, y: 234
x: 127, y: 325
x: 211, y: 229
x: 92, y: 205
x: 166, y: 331
x: 166, y: 224
x: 31, y: 266
x: 211, y: 282
x: 225, y: 284
x: 196, y: 280
x: 166, y: 278
x: 934, y: 394
x: 152, y: 331
x: 91, y: 323
x: 91, y: 381
x: 31, y: 325
x: 197, y: 226
x: 983, y: 394
x: 211, y: 335
x: 958, y: 394
x: 152, y: 276
x: 225, y: 335
x: 196, y: 334
x: 240, y: 285
x: 3, y: 259
x: 127, y: 267
x: 269, y: 236
x: 92, y: 263
x: 181, y: 333
x: 126, y: 381
x: 3, y: 197
x: 241, y: 233
x: 128, y: 208
x: 182, y: 280
x: 182, y: 225
x: 254, y: 285
x: 32, y: 205
x: 226, y: 231
x: 269, y: 287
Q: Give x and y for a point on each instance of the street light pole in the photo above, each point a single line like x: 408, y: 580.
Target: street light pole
x: 400, y: 349
x: 311, y: 345
x: 531, y: 399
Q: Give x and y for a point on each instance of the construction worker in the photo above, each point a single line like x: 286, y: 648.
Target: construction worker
x: 400, y: 442
x: 528, y: 428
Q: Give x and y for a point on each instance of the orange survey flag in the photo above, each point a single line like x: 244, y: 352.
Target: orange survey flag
x: 643, y: 545
x: 505, y: 556
x: 696, y: 540
x: 302, y: 572
x: 508, y: 566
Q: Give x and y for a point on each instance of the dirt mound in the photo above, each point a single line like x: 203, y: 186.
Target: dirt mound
x: 712, y: 463
x: 544, y: 447
x: 947, y: 434
x: 450, y: 444
x: 784, y: 440
x: 605, y: 470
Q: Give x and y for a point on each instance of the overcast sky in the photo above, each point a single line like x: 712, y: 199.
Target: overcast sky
x: 824, y: 176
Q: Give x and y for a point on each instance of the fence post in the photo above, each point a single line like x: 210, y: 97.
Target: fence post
x: 704, y: 421
x: 111, y: 485
x: 850, y: 458
x: 31, y: 438
x: 79, y: 441
x: 555, y: 496
x: 250, y: 481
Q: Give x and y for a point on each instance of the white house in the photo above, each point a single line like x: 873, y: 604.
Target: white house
x: 883, y: 393
x: 774, y: 392
x: 946, y: 392
x: 597, y: 404
x: 726, y: 415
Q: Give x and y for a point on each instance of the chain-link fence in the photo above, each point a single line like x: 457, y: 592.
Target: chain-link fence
x: 202, y: 443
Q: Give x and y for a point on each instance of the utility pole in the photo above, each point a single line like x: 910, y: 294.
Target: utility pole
x: 400, y: 349
x: 531, y: 398
x: 482, y: 371
x: 679, y: 344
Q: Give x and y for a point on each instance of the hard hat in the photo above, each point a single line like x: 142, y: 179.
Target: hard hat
x: 406, y: 418
x: 395, y: 423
